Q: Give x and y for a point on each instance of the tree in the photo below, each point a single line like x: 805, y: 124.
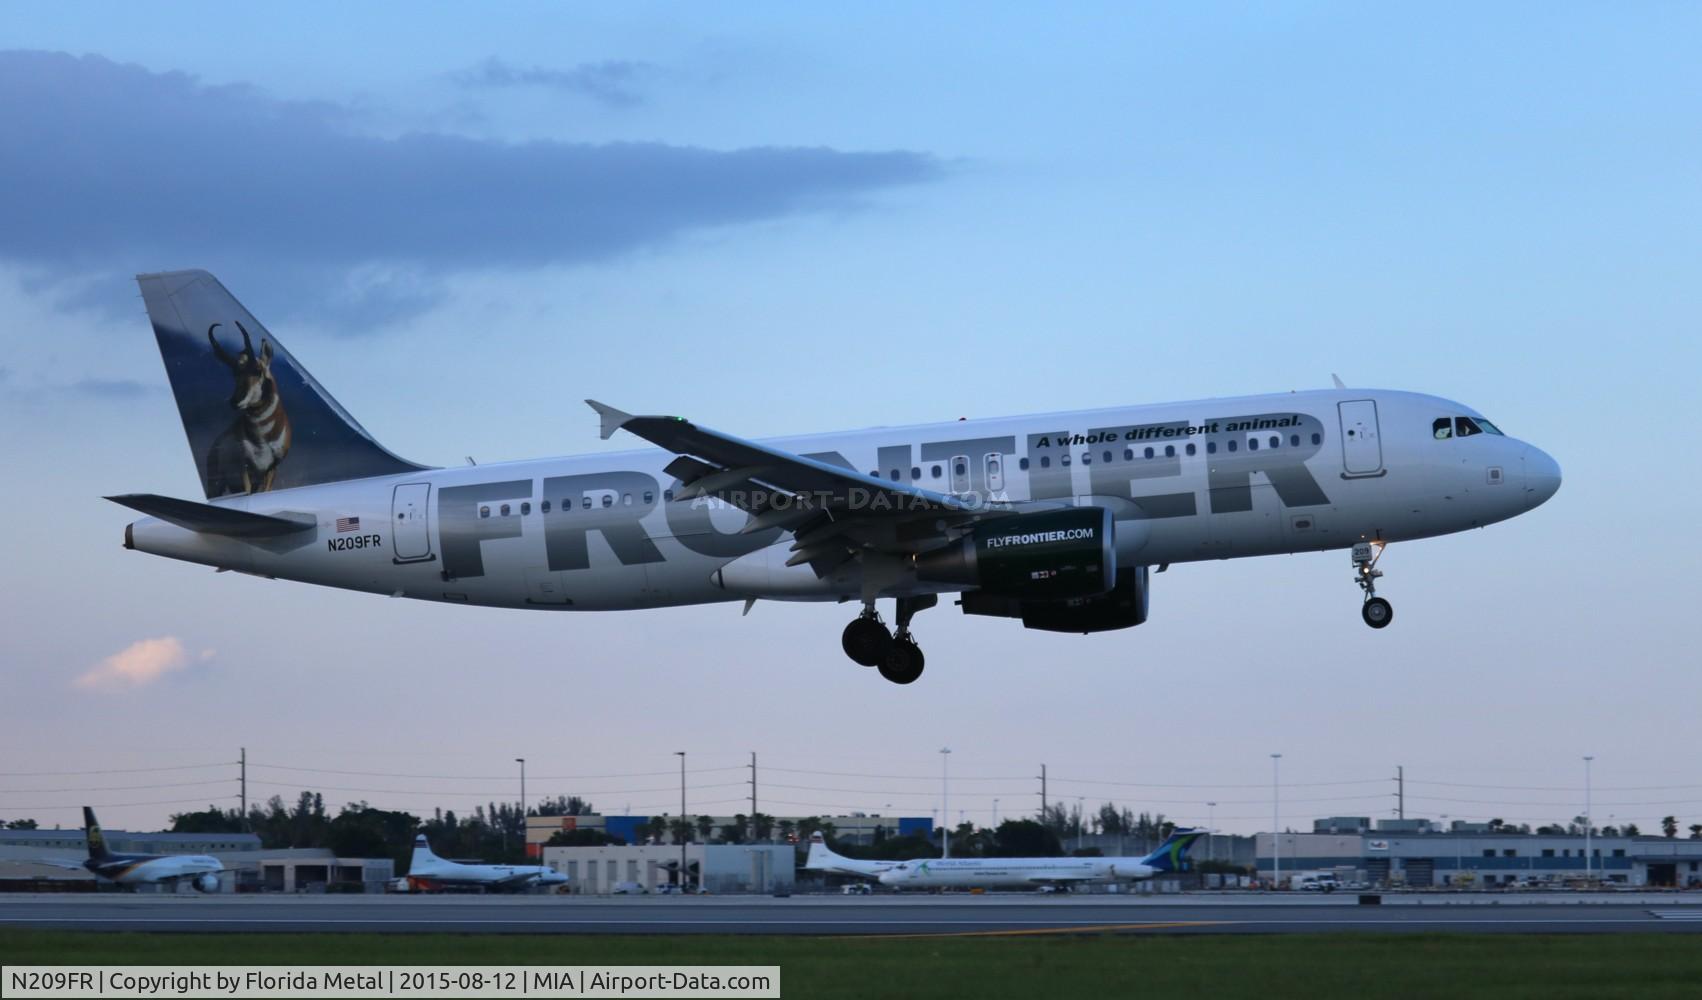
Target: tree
x: 681, y: 830
x: 564, y: 805
x: 1696, y: 831
x: 762, y: 825
x: 1025, y: 838
x: 788, y: 830
x: 583, y: 838
x: 209, y: 820
x: 1631, y: 830
x: 1669, y: 826
x: 1495, y: 825
x: 734, y: 832
x: 705, y: 827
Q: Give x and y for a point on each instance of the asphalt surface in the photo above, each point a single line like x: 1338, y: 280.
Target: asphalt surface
x: 877, y: 915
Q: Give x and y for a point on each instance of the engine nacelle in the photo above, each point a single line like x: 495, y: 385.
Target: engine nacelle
x: 1125, y: 606
x: 1050, y: 556
x: 206, y: 883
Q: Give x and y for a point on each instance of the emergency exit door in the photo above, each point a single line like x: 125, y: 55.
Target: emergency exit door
x: 1362, y: 447
x: 408, y: 527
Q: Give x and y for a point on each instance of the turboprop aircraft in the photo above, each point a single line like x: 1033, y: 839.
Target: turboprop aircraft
x: 1058, y: 520
x: 427, y: 873
x: 940, y: 873
x: 132, y: 870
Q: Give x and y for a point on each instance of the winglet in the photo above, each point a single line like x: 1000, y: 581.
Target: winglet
x: 1337, y: 379
x: 613, y: 419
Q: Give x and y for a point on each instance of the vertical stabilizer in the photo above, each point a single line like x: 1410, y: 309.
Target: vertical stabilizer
x: 97, y: 840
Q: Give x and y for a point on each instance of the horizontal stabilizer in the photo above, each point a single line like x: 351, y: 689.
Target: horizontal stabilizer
x: 210, y: 520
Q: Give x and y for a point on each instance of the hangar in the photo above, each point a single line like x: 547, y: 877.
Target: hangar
x: 723, y: 868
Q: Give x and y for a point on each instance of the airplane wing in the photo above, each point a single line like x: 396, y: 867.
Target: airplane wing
x: 832, y: 511
x: 57, y: 863
x: 1060, y: 879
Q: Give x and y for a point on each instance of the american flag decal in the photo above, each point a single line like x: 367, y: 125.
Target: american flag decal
x: 348, y: 524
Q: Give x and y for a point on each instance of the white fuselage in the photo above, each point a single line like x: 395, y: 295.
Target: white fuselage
x: 1183, y: 481
x: 1013, y: 872
x: 174, y: 866
x: 443, y: 872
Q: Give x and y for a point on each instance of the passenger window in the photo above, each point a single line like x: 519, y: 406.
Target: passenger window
x: 1294, y: 440
x: 1064, y: 460
x: 1087, y: 458
x: 1169, y: 451
x: 1128, y: 454
x: 1463, y: 427
x: 1252, y: 444
x: 544, y: 507
x: 1211, y: 447
x: 1231, y: 444
x: 936, y: 472
x: 525, y: 508
x: 1190, y: 448
x: 1045, y: 461
x: 895, y: 475
x: 1276, y: 441
x: 667, y: 496
x: 915, y: 472
x: 649, y: 497
x: 1442, y: 429
x: 1108, y: 455
x: 1022, y: 463
x: 1317, y: 439
x: 484, y: 511
x: 1147, y: 453
x: 504, y: 510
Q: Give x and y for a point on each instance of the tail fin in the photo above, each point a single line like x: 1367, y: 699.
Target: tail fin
x: 97, y: 841
x: 820, y: 855
x: 422, y: 853
x: 256, y: 419
x: 1172, y: 855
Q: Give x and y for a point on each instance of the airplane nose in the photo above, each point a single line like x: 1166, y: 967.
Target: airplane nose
x: 1542, y: 476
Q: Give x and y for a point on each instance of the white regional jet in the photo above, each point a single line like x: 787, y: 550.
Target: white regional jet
x: 1053, y: 519
x: 132, y: 870
x: 822, y: 859
x: 940, y: 873
x: 427, y: 873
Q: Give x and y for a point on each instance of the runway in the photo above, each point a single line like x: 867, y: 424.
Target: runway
x: 828, y: 915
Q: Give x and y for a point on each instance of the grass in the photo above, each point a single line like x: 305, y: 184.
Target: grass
x: 1041, y: 967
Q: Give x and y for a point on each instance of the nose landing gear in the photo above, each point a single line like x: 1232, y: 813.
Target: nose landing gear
x: 898, y: 657
x: 1376, y: 611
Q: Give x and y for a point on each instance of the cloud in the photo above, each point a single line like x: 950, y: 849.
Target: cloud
x: 615, y: 83
x: 140, y: 663
x: 113, y: 169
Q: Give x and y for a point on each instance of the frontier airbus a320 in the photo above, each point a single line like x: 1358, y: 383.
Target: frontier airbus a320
x: 1055, y: 519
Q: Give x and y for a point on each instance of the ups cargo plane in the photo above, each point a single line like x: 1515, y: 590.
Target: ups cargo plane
x: 1055, y: 519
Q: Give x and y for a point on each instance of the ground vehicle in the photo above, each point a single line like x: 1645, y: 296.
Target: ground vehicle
x: 1319, y: 883
x: 856, y: 889
x: 627, y: 889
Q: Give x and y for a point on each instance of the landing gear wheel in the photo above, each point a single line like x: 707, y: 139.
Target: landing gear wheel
x: 866, y: 641
x: 1377, y: 612
x: 903, y: 661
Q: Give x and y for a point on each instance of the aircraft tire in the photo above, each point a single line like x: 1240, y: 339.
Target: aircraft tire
x: 1377, y: 613
x: 903, y: 662
x: 866, y: 641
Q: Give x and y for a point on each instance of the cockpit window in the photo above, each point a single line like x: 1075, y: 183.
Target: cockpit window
x: 1443, y: 428
x: 1489, y: 428
x: 1464, y: 427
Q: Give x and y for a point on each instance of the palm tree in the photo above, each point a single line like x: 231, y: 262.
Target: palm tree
x: 1696, y: 831
x: 705, y: 827
x: 1669, y: 826
x: 787, y: 828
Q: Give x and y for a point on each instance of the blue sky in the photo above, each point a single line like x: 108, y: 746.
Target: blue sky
x: 780, y: 220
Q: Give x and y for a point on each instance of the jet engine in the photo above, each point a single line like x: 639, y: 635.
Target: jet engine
x: 206, y: 883
x: 1124, y: 606
x: 1048, y: 556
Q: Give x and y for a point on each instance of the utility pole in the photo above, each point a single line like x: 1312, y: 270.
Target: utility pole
x: 945, y: 800
x: 1400, y: 792
x: 1589, y: 821
x: 523, y: 824
x: 1276, y: 821
x: 243, y: 780
x: 1081, y: 822
x: 753, y: 796
x: 685, y: 825
x: 1043, y: 793
x: 1211, y: 831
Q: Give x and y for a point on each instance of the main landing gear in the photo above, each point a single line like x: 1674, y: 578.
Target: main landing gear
x: 898, y: 657
x: 1376, y: 611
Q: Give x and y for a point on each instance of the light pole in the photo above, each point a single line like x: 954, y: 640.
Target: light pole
x: 523, y: 831
x: 945, y: 801
x: 685, y: 827
x: 1589, y: 821
x: 1211, y: 831
x: 995, y: 814
x: 1276, y: 821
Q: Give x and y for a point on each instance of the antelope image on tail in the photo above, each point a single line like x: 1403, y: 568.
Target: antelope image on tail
x: 244, y: 458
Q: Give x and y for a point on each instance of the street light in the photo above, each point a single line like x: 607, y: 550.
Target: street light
x: 684, y: 826
x: 1276, y: 822
x: 945, y: 800
x: 1589, y: 821
x: 523, y: 831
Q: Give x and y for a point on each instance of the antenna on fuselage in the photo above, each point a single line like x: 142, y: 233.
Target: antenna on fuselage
x: 1337, y: 379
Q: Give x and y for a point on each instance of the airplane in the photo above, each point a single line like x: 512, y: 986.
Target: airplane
x: 822, y: 859
x: 132, y: 870
x: 1059, y: 520
x: 428, y: 873
x: 1171, y: 856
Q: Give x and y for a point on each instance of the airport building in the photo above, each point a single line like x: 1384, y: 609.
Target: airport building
x: 1419, y: 854
x: 860, y: 830
x: 722, y: 868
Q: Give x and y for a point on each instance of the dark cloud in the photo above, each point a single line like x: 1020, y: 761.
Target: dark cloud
x: 615, y: 83
x: 114, y: 168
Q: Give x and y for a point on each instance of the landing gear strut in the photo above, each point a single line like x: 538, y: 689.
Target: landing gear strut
x: 1376, y: 611
x: 898, y: 657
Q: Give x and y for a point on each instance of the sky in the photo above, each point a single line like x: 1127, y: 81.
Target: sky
x: 779, y: 219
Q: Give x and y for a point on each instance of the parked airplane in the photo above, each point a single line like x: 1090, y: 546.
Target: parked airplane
x: 427, y: 873
x: 1054, y: 519
x: 822, y: 859
x: 1171, y: 856
x: 132, y: 870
